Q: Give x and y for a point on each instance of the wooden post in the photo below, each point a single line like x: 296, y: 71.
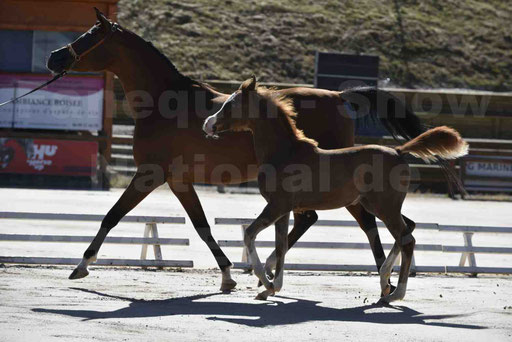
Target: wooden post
x: 144, y: 251
x: 157, y: 249
x: 470, y: 256
x: 151, y: 230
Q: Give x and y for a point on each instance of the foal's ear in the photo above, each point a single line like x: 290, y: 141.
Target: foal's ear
x: 102, y: 19
x: 249, y: 84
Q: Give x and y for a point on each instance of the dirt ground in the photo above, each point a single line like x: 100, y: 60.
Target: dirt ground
x: 39, y: 304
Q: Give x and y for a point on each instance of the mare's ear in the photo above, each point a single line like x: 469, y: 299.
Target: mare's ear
x: 249, y: 84
x: 102, y: 19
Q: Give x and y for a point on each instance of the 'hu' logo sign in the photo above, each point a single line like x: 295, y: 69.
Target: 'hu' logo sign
x: 37, y: 158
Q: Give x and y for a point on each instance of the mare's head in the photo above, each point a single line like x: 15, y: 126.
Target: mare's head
x: 240, y: 110
x: 92, y: 51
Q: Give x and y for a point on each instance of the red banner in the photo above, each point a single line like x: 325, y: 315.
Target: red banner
x: 48, y: 157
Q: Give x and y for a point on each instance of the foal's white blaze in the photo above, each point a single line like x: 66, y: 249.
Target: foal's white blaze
x: 212, y: 119
x: 208, y: 125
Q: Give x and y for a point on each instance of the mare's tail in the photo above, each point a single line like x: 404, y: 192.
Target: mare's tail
x: 439, y: 142
x: 397, y: 116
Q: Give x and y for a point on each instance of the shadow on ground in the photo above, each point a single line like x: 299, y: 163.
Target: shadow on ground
x: 260, y: 314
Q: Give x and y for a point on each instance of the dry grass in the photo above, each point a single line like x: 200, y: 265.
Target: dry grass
x: 452, y: 43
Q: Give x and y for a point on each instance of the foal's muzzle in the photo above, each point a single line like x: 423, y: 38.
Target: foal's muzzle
x: 210, y: 127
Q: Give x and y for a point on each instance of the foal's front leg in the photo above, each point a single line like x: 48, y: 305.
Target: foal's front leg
x: 281, y: 249
x: 268, y: 216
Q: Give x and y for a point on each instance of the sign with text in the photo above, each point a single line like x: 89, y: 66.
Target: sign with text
x: 71, y: 103
x: 48, y: 157
x: 489, y: 168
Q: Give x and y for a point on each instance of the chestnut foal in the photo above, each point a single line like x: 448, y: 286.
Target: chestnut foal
x: 296, y: 175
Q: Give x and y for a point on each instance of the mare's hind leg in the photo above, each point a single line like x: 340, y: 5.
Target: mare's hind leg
x: 302, y: 222
x: 188, y: 198
x: 133, y: 195
x: 402, y: 232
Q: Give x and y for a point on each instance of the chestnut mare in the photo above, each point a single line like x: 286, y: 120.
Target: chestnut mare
x: 169, y: 144
x: 305, y: 177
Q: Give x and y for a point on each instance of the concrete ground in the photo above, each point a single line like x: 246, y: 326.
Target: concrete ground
x: 130, y: 304
x: 40, y: 304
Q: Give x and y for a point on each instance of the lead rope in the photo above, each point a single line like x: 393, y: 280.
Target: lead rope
x: 55, y: 78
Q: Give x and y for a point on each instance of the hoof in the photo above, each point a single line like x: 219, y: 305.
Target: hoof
x: 383, y: 301
x: 393, y: 297
x: 387, y: 291
x: 228, y: 285
x: 79, y: 273
x: 269, y: 273
x: 386, y: 300
x: 264, y: 295
x: 261, y: 296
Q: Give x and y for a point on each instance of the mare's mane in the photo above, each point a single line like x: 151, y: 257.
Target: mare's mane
x: 286, y: 113
x: 159, y: 53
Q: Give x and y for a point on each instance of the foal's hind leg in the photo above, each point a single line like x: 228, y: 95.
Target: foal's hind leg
x: 366, y: 221
x: 402, y: 233
x: 387, y: 267
x: 368, y: 224
x: 385, y: 271
x: 133, y: 195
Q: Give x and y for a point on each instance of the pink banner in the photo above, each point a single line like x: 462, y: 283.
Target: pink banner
x: 71, y: 103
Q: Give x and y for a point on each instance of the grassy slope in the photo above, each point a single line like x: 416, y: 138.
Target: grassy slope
x: 440, y: 43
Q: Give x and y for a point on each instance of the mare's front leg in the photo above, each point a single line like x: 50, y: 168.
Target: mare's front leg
x: 190, y: 202
x: 141, y: 185
x: 269, y: 215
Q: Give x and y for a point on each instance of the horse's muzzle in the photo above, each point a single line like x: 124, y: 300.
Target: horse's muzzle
x: 59, y: 61
x: 210, y: 127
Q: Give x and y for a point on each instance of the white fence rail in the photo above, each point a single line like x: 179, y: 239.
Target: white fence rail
x: 150, y: 237
x: 467, y: 251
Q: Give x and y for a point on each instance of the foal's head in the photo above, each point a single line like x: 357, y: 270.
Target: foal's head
x: 251, y: 104
x: 92, y: 51
x: 235, y: 113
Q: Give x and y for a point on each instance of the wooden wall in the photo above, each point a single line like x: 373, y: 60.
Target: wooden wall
x: 52, y: 15
x: 64, y: 15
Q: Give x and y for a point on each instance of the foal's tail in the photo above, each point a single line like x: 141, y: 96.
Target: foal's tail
x: 439, y: 142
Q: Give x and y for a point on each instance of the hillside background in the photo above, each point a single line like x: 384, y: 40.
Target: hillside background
x: 422, y: 44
